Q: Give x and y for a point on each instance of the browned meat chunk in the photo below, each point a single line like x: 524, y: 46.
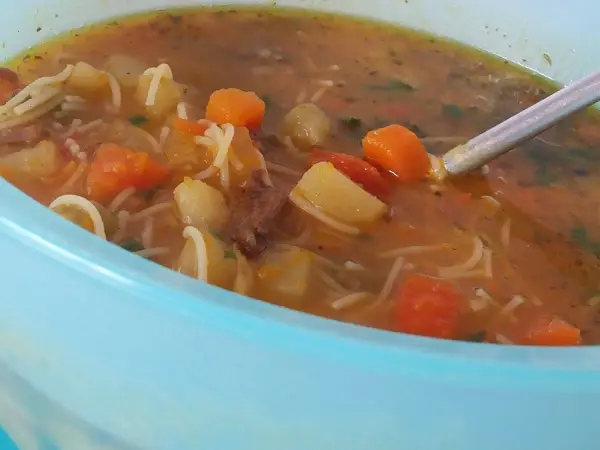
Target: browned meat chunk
x: 253, y: 210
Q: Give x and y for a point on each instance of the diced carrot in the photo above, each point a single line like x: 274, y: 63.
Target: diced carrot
x: 399, y: 150
x: 358, y: 170
x: 115, y: 168
x: 189, y: 127
x: 428, y: 307
x: 551, y: 331
x: 237, y: 107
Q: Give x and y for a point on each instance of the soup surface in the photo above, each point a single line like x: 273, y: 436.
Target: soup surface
x: 284, y: 155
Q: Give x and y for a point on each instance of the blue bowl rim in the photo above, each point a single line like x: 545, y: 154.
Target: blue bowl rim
x: 25, y: 220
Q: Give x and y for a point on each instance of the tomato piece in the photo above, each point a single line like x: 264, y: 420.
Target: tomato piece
x: 358, y: 170
x: 115, y: 168
x: 428, y: 307
x: 551, y: 331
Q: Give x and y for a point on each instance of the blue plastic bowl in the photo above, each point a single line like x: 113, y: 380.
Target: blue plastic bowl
x: 100, y: 349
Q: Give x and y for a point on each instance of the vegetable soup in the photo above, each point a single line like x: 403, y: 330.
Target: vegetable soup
x: 288, y: 157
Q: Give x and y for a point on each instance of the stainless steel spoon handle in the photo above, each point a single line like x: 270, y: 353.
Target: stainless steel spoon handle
x: 528, y: 123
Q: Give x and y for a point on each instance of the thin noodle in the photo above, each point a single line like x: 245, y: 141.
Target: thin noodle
x: 21, y: 96
x: 310, y: 209
x: 68, y: 185
x: 317, y: 95
x: 206, y: 173
x: 349, y: 300
x: 469, y: 264
x: 153, y: 252
x: 150, y: 211
x: 121, y: 198
x: 513, y: 304
x: 85, y: 205
x: 36, y: 101
x: 412, y: 250
x: 391, y: 279
x: 224, y: 176
x: 505, y: 233
x: 30, y: 116
x: 263, y: 165
x: 487, y: 263
x: 201, y: 254
x: 164, y: 135
x: 148, y: 232
x: 501, y: 339
x: 332, y: 284
x: 158, y: 73
x: 123, y: 222
x: 115, y: 91
x: 181, y: 111
x: 151, y: 139
x: 282, y: 169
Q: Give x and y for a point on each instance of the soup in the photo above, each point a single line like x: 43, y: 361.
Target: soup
x: 288, y: 157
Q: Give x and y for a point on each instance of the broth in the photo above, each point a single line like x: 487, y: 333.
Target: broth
x: 515, y: 244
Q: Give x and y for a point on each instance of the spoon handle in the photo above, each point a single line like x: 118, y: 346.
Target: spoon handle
x: 525, y: 125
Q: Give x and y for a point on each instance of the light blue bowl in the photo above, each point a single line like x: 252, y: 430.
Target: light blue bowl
x: 100, y: 349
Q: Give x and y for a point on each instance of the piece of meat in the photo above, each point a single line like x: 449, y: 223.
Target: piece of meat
x: 253, y: 210
x: 29, y: 134
x: 266, y: 142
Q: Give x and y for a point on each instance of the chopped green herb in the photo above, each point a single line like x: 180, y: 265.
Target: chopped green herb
x: 478, y: 336
x: 365, y: 237
x: 453, y: 111
x: 229, y: 254
x: 579, y: 235
x: 351, y: 122
x: 131, y: 245
x: 219, y: 235
x: 392, y: 85
x: 544, y: 176
x: 415, y: 129
x: 267, y: 99
x: 148, y: 194
x: 138, y: 120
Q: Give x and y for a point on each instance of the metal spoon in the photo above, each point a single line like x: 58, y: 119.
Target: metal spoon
x: 525, y: 125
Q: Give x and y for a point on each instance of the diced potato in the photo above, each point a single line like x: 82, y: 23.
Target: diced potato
x: 168, y: 95
x: 39, y: 161
x: 285, y: 275
x: 221, y: 263
x: 184, y: 155
x: 200, y: 205
x: 307, y: 126
x: 87, y: 78
x: 337, y: 195
x: 125, y: 69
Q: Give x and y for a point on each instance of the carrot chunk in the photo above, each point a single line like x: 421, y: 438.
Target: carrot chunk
x: 399, y: 150
x: 358, y: 170
x: 428, y: 307
x: 237, y: 107
x: 115, y: 168
x: 551, y: 331
x: 189, y: 127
